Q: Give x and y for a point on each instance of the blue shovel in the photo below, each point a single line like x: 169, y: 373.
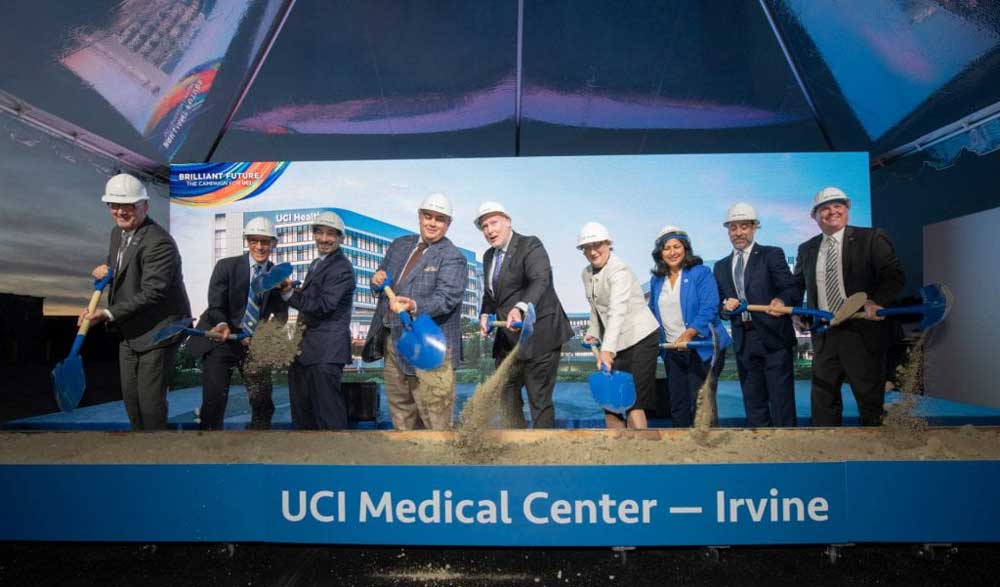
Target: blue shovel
x: 422, y: 342
x: 938, y: 300
x: 526, y: 324
x: 69, y: 381
x: 184, y: 325
x: 271, y: 279
x: 612, y: 390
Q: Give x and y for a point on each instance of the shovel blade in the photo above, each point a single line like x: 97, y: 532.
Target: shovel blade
x: 423, y: 345
x: 171, y: 330
x: 69, y: 382
x: 272, y: 278
x: 937, y: 303
x: 615, y: 391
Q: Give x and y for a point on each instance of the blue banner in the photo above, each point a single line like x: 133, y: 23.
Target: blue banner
x: 656, y: 505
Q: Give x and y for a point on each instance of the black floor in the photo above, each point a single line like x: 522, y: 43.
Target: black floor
x: 66, y: 564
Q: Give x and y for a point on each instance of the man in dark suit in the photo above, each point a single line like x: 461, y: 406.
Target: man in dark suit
x: 842, y: 261
x: 325, y: 302
x: 234, y: 309
x: 518, y: 272
x: 429, y: 274
x: 764, y: 342
x: 147, y: 293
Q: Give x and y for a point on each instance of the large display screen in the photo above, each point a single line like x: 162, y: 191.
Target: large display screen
x: 549, y: 197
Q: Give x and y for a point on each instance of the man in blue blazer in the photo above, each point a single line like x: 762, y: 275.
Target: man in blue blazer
x: 324, y: 301
x: 764, y: 342
x: 228, y: 313
x: 429, y: 274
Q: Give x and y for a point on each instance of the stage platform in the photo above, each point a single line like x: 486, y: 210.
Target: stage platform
x: 573, y: 404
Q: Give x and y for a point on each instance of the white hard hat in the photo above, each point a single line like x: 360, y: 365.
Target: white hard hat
x: 592, y: 232
x: 124, y: 189
x: 331, y: 219
x: 829, y: 194
x: 673, y: 232
x: 260, y: 226
x: 489, y: 208
x: 437, y: 203
x: 741, y: 212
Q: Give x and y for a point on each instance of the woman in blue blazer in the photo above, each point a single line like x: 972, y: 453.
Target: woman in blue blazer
x: 685, y: 300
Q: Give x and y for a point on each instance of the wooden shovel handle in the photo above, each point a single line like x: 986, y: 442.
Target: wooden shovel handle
x: 760, y: 308
x: 95, y: 299
x: 393, y: 304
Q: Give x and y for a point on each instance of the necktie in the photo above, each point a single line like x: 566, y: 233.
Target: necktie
x: 252, y: 314
x: 495, y: 275
x: 740, y: 288
x: 833, y: 298
x: 126, y: 239
x: 414, y: 258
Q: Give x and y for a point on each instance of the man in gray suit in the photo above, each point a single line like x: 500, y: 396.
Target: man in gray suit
x: 518, y: 272
x: 428, y: 276
x: 146, y: 293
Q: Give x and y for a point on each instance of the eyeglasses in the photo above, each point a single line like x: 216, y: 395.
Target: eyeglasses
x: 126, y: 207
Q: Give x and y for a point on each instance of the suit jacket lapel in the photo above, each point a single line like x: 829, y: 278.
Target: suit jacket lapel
x: 315, y: 270
x: 846, y: 248
x: 751, y: 262
x: 729, y: 273
x: 243, y: 276
x: 421, y: 262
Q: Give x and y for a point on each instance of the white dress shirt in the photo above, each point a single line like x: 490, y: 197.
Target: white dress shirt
x: 669, y: 304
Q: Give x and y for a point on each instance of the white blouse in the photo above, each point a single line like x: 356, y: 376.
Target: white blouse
x: 670, y: 308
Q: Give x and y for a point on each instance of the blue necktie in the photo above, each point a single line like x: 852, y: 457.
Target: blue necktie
x: 252, y: 314
x: 497, y: 260
x: 740, y: 288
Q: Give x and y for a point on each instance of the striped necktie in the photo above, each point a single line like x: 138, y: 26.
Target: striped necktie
x: 834, y: 300
x: 251, y: 316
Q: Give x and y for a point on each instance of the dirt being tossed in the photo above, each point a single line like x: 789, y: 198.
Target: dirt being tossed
x: 274, y: 345
x: 482, y: 412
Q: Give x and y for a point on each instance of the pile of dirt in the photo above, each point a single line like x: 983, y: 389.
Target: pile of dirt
x: 511, y: 447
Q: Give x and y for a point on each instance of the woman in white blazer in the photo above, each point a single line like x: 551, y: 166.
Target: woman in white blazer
x: 621, y: 320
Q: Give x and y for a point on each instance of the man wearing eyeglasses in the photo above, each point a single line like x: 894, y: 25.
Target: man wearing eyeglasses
x: 235, y: 308
x: 146, y: 293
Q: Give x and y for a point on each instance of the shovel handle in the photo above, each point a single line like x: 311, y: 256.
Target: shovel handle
x: 95, y: 298
x: 492, y: 321
x: 762, y: 308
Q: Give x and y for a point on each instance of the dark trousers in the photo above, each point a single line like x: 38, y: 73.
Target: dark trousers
x: 216, y: 375
x: 318, y: 401
x: 767, y: 378
x: 640, y: 360
x: 685, y: 374
x: 145, y: 376
x: 538, y: 376
x: 841, y: 354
